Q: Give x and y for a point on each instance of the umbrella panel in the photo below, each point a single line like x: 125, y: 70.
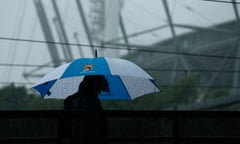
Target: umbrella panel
x: 43, y: 89
x: 126, y: 80
x: 117, y: 89
x: 138, y: 86
x: 120, y: 87
x: 67, y: 86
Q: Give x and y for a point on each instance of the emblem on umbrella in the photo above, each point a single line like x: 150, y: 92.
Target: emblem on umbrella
x: 126, y: 80
x: 88, y: 67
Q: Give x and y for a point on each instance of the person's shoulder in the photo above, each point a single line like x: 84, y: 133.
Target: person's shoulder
x: 71, y: 96
x: 75, y: 94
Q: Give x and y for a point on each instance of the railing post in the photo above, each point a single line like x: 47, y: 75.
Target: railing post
x: 175, y: 129
x: 64, y: 128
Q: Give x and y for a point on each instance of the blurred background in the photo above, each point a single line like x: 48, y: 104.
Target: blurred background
x: 190, y: 47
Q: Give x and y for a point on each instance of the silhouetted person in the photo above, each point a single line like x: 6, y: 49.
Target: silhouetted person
x: 87, y: 100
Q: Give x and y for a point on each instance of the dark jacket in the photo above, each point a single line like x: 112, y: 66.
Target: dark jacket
x: 83, y: 102
x: 96, y: 128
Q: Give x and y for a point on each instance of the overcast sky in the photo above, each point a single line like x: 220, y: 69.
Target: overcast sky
x: 19, y: 20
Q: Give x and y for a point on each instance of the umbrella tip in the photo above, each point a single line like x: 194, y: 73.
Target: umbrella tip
x: 96, y: 54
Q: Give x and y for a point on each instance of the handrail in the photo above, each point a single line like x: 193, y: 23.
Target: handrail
x: 120, y: 113
x: 173, y: 115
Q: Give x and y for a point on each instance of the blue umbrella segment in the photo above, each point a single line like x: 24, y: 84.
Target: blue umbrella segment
x: 126, y: 80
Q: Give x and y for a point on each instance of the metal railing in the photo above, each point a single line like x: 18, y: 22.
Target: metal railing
x: 175, y: 118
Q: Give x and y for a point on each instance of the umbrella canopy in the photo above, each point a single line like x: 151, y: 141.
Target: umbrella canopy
x: 126, y: 80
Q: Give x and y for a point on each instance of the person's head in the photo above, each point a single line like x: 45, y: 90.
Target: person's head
x: 95, y: 83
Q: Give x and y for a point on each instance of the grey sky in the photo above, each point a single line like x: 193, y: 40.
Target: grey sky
x: 19, y: 20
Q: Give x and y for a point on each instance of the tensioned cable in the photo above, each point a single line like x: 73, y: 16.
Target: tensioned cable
x: 138, y: 48
x: 223, y: 1
x: 196, y: 86
x: 25, y: 65
x: 18, y: 83
x: 147, y: 69
x: 192, y: 70
x: 161, y: 85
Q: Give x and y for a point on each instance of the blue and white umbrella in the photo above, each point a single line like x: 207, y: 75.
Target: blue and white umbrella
x: 126, y: 80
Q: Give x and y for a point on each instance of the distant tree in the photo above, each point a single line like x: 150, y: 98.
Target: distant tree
x: 13, y: 98
x: 18, y: 98
x: 184, y: 91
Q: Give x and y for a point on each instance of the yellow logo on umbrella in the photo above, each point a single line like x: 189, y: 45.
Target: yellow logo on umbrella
x: 88, y: 67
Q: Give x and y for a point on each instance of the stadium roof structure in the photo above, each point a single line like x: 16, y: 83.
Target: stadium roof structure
x: 210, y: 54
x: 172, y: 39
